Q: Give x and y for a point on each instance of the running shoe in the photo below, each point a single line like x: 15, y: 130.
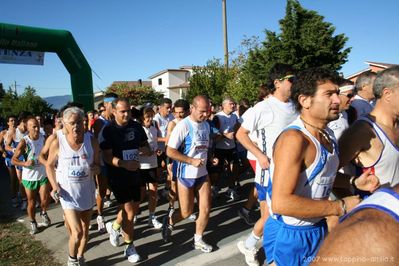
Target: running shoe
x: 113, y: 235
x: 131, y: 254
x: 46, y: 220
x: 73, y: 262
x: 153, y: 222
x: 33, y: 228
x: 192, y: 217
x: 203, y: 246
x: 100, y: 223
x: 250, y: 254
x: 108, y: 203
x: 245, y: 215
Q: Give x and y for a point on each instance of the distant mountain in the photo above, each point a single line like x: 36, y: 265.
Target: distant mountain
x: 58, y: 101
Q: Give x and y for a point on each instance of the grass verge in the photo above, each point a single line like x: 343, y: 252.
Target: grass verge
x: 18, y: 247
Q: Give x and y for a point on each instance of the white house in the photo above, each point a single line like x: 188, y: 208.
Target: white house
x: 173, y: 83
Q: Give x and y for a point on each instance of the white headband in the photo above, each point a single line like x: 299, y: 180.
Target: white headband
x: 346, y: 88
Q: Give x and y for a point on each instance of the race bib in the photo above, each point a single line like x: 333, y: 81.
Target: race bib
x: 76, y: 173
x: 323, y: 187
x: 201, y: 143
x: 130, y: 155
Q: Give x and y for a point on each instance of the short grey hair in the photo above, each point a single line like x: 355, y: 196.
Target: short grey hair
x: 364, y: 79
x: 72, y: 110
x: 227, y: 99
x: 388, y: 78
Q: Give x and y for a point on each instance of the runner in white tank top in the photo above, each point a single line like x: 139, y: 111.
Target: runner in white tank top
x: 387, y: 165
x: 369, y: 233
x: 316, y: 181
x: 188, y: 144
x: 33, y: 173
x: 302, y: 173
x: 37, y: 171
x: 372, y: 143
x: 266, y: 119
x: 77, y: 155
x: 75, y: 176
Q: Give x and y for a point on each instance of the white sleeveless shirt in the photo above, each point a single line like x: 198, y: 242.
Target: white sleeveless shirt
x: 18, y: 135
x: 386, y: 168
x: 74, y: 175
x: 268, y: 118
x: 37, y: 171
x: 316, y: 181
x: 384, y: 199
x: 191, y: 139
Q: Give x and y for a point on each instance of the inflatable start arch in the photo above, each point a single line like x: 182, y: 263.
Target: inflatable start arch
x: 17, y: 37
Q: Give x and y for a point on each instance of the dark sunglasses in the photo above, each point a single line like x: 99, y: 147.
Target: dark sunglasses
x: 290, y: 78
x: 349, y: 95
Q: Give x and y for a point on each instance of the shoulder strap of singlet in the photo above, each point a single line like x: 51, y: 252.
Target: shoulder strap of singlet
x: 384, y: 199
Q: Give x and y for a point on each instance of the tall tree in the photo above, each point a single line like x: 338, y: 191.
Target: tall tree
x: 306, y: 40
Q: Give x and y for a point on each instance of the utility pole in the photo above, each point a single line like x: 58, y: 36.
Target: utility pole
x: 226, y: 49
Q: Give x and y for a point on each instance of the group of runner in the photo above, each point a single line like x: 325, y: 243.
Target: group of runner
x: 305, y: 138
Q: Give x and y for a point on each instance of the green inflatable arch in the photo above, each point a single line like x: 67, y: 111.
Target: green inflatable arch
x: 17, y: 37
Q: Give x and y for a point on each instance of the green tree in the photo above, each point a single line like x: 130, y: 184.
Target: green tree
x: 211, y: 80
x: 306, y: 40
x: 242, y: 85
x: 137, y: 95
x: 28, y: 101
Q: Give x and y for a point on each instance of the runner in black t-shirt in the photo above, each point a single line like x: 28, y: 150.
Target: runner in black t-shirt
x: 123, y: 140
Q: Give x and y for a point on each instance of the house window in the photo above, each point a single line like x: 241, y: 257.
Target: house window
x: 159, y: 81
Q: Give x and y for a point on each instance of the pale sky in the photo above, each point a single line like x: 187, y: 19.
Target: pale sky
x: 131, y: 40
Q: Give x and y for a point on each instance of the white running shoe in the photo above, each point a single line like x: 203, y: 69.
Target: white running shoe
x: 33, y: 228
x: 153, y: 222
x: 46, y: 220
x: 131, y: 254
x: 250, y: 254
x: 203, y: 246
x: 192, y: 217
x: 113, y: 235
x: 100, y: 224
x: 72, y: 262
x: 107, y: 203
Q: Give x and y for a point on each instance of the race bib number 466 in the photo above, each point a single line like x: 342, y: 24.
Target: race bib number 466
x: 75, y: 173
